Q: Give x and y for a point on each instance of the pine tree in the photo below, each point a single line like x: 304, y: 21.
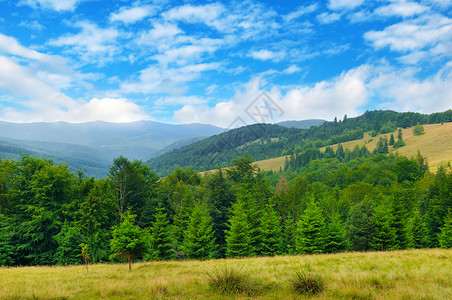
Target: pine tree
x: 417, y: 231
x: 445, y: 237
x: 199, y: 241
x: 289, y: 235
x: 399, y: 222
x: 270, y: 232
x: 336, y: 239
x: 238, y: 237
x: 161, y: 240
x: 384, y: 237
x: 311, y: 230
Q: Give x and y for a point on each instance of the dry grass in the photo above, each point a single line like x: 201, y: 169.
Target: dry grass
x: 413, y: 274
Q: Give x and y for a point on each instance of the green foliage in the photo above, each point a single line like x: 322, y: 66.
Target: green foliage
x: 311, y: 230
x: 360, y: 227
x: 289, y: 235
x: 128, y: 240
x: 307, y: 283
x: 270, y: 232
x: 239, y: 235
x: 336, y: 236
x: 382, y: 146
x: 417, y: 231
x: 418, y: 129
x: 161, y: 239
x: 199, y: 241
x: 384, y: 235
x: 445, y: 237
x: 69, y: 239
x: 7, y: 242
x: 391, y: 140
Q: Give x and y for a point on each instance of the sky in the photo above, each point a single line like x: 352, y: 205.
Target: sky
x: 223, y: 63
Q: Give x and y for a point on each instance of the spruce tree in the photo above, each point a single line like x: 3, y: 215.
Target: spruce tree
x: 399, y: 222
x: 270, y: 232
x: 391, y: 140
x: 384, y: 237
x: 311, y: 230
x: 336, y: 239
x: 445, y: 237
x: 289, y: 235
x: 199, y: 241
x: 359, y: 226
x: 417, y: 231
x: 161, y: 240
x: 238, y: 237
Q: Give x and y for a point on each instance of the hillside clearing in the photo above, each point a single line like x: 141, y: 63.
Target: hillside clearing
x: 435, y: 144
x: 409, y: 274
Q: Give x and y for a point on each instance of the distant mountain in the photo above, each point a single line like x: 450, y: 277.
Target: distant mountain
x: 92, y: 146
x: 303, y: 124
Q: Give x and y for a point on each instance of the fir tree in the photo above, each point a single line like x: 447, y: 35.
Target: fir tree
x: 359, y: 226
x: 384, y: 237
x: 199, y: 241
x: 417, y: 231
x: 289, y: 235
x: 399, y: 222
x: 311, y: 230
x: 68, y: 251
x: 445, y: 237
x: 336, y: 239
x: 391, y: 140
x: 270, y: 232
x: 161, y: 240
x: 238, y: 237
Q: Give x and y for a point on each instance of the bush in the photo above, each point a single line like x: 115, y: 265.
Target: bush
x: 307, y: 283
x: 229, y: 281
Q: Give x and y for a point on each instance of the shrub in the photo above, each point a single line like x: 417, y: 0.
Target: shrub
x: 230, y: 281
x: 307, y: 283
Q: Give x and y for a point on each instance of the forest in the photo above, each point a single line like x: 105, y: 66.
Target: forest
x: 264, y: 141
x: 319, y: 203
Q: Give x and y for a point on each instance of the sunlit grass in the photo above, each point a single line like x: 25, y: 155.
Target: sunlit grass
x: 411, y: 274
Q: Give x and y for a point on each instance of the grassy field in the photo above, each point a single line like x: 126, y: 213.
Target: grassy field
x: 435, y: 144
x: 410, y: 274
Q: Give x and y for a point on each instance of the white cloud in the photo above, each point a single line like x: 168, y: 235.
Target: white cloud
x: 92, y: 44
x: 180, y: 100
x: 267, y: 55
x: 302, y: 10
x: 344, y: 4
x: 327, y: 18
x: 194, y: 14
x: 403, y: 9
x: 432, y: 33
x: 155, y: 79
x: 34, y: 25
x: 129, y: 15
x: 106, y: 109
x: 292, y: 69
x: 58, y: 5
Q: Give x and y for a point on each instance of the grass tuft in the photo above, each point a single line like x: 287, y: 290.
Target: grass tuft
x: 230, y: 281
x: 307, y: 283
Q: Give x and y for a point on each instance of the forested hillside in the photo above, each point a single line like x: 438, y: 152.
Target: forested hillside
x: 263, y: 141
x: 328, y: 205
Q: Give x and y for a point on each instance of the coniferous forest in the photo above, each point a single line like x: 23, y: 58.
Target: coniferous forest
x: 319, y: 203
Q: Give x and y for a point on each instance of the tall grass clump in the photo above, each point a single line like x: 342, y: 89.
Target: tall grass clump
x: 230, y: 281
x: 307, y: 283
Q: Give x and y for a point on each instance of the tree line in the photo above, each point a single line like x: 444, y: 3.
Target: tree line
x: 327, y: 205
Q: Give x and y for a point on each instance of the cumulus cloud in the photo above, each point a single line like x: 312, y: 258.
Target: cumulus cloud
x: 327, y: 18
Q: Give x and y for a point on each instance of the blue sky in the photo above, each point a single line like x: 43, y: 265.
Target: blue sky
x: 207, y: 61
